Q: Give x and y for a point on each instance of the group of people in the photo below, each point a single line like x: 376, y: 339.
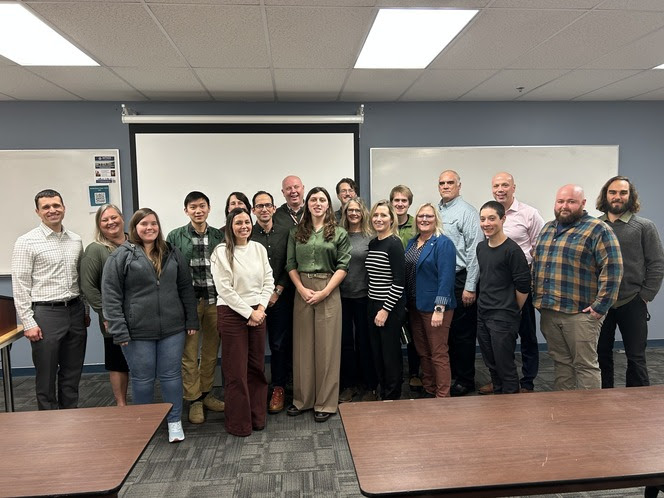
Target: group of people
x: 337, y: 294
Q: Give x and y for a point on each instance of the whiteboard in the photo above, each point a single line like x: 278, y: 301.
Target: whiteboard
x: 538, y: 172
x: 170, y: 165
x: 70, y: 172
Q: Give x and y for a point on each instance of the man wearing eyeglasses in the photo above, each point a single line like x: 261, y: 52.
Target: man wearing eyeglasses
x: 279, y: 314
x: 461, y: 223
x: 346, y: 190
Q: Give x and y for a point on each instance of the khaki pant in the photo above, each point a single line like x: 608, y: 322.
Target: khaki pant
x: 196, y: 379
x: 316, y: 349
x: 572, y: 342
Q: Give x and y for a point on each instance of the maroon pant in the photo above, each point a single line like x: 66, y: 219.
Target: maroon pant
x: 431, y: 345
x: 243, y: 362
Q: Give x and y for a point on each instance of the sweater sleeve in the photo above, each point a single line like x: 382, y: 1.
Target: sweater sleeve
x: 397, y: 260
x: 186, y: 291
x: 92, y: 267
x: 112, y: 295
x: 223, y: 281
x: 654, y: 262
x: 268, y: 279
x: 519, y: 269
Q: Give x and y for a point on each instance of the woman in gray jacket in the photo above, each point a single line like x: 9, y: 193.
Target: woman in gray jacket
x: 149, y: 303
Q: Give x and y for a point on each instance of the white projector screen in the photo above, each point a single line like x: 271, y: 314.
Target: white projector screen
x: 167, y: 166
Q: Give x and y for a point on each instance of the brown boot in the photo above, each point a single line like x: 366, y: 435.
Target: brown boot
x: 487, y: 389
x: 276, y: 401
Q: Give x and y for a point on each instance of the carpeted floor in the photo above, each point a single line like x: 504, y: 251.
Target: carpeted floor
x: 292, y: 457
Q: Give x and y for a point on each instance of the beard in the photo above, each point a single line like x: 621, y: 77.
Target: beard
x: 567, y: 219
x: 620, y: 208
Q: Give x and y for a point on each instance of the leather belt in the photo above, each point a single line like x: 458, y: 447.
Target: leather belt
x: 56, y: 304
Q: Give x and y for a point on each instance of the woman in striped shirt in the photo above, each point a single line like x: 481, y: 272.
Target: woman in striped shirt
x: 386, y: 268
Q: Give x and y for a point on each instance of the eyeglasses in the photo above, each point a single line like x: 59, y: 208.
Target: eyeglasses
x: 426, y: 216
x: 346, y: 190
x: 353, y: 210
x: 267, y: 205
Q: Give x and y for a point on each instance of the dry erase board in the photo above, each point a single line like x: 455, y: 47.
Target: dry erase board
x: 83, y: 177
x: 538, y: 172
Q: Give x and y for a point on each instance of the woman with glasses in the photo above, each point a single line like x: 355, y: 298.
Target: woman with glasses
x: 357, y: 367
x: 430, y: 272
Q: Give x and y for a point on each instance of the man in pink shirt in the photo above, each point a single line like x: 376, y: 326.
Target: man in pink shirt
x: 523, y: 224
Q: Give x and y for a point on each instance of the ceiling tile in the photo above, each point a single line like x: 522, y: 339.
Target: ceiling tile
x: 645, y: 53
x: 114, y: 34
x: 656, y: 5
x: 445, y: 84
x: 207, y: 2
x: 322, y: 3
x: 19, y: 83
x: 6, y: 62
x: 592, y: 36
x: 237, y: 84
x: 450, y: 4
x: 576, y: 83
x: 302, y: 37
x: 546, y: 4
x: 497, y: 37
x: 90, y: 83
x: 378, y: 84
x: 643, y: 82
x: 309, y: 84
x: 164, y: 83
x: 233, y: 36
x: 654, y: 95
x: 503, y: 86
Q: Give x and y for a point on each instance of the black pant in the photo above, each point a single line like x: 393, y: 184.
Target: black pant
x: 386, y: 348
x: 632, y: 318
x: 463, y: 333
x: 497, y: 340
x: 529, y: 346
x: 279, y: 318
x: 357, y: 364
x: 59, y: 355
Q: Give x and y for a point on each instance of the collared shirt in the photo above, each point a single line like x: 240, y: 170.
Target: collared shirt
x: 199, y: 264
x: 643, y: 257
x: 407, y: 231
x: 45, y: 267
x: 461, y: 224
x: 579, y: 267
x: 276, y: 243
x: 523, y: 224
x: 318, y: 255
x: 284, y: 216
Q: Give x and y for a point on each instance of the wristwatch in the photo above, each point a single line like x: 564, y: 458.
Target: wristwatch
x: 438, y: 309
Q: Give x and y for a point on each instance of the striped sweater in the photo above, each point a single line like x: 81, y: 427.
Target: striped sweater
x: 386, y: 268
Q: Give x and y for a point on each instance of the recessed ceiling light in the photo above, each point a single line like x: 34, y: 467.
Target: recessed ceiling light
x: 28, y: 41
x: 661, y: 66
x: 410, y: 38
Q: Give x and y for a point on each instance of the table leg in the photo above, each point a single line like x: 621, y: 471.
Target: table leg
x: 7, y: 379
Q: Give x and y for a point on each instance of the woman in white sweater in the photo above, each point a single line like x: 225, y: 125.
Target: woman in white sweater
x: 243, y: 278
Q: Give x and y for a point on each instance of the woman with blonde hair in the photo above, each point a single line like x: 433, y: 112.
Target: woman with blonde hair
x: 387, y: 309
x: 109, y: 235
x: 357, y: 367
x: 430, y: 273
x: 149, y: 302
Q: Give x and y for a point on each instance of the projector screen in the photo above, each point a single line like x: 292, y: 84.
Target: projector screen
x: 169, y: 161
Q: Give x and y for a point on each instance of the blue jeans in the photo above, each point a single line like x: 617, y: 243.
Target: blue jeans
x: 149, y: 360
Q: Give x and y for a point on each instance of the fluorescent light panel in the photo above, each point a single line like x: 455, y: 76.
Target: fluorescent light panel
x: 28, y: 41
x: 410, y: 38
x: 661, y: 66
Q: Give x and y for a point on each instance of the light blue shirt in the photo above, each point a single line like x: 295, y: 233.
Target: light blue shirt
x: 461, y: 223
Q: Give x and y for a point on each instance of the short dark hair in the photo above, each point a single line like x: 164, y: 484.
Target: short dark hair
x: 261, y: 192
x: 239, y: 196
x: 633, y: 206
x: 194, y: 196
x: 350, y: 182
x: 47, y: 193
x: 496, y: 206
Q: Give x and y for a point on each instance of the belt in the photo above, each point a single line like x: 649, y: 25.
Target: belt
x: 55, y: 304
x: 316, y: 275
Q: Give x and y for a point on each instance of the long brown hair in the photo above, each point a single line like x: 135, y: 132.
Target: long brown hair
x: 160, y: 249
x: 229, y: 238
x: 306, y: 226
x: 633, y: 205
x: 99, y: 235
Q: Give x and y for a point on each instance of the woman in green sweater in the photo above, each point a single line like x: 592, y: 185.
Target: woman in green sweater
x: 109, y: 234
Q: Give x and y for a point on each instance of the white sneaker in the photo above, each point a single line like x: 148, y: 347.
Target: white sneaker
x: 175, y: 432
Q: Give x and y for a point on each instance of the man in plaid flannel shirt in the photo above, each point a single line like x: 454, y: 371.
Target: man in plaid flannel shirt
x: 577, y: 269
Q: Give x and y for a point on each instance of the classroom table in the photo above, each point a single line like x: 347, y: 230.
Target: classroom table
x: 80, y: 451
x: 502, y: 445
x: 6, y: 340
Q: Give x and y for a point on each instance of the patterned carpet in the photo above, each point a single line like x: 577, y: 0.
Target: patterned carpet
x: 292, y: 457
